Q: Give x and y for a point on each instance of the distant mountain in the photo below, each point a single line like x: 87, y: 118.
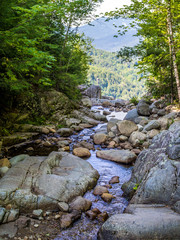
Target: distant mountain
x: 102, y: 32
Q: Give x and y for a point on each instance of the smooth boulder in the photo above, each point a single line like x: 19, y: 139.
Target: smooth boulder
x: 120, y: 156
x: 81, y: 152
x: 43, y: 182
x: 99, y: 138
x: 142, y: 222
x: 126, y: 127
x: 143, y: 108
x: 132, y: 115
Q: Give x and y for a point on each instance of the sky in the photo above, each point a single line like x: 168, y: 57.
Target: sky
x: 109, y: 5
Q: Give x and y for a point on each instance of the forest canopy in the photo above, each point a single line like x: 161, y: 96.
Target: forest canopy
x: 40, y: 48
x: 158, y: 24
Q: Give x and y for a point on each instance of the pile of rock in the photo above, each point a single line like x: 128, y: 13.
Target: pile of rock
x: 154, y: 189
x: 42, y: 140
x: 135, y: 132
x: 125, y: 135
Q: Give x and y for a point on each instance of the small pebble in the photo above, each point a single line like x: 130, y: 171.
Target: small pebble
x: 36, y: 225
x: 57, y: 216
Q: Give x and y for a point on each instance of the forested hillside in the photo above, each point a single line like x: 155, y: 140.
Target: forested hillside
x: 117, y: 78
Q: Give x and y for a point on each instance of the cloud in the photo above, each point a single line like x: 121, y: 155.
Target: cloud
x: 109, y: 5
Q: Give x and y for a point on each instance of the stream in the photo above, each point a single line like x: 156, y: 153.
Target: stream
x: 84, y: 228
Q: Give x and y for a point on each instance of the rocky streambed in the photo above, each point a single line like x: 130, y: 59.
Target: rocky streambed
x: 46, y: 192
x: 31, y: 188
x: 88, y: 226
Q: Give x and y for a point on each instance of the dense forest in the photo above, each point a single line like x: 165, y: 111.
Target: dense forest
x: 117, y: 78
x: 40, y: 47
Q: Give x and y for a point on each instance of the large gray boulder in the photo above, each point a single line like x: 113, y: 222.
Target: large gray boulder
x: 86, y: 102
x: 132, y: 115
x: 156, y: 171
x: 142, y: 222
x: 154, y: 124
x: 99, y: 138
x: 65, y: 132
x: 143, y: 108
x: 94, y: 91
x: 120, y: 156
x: 120, y: 103
x: 84, y: 117
x: 43, y: 182
x: 137, y: 138
x: 99, y: 117
x: 126, y: 127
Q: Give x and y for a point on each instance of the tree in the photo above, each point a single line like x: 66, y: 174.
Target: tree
x: 157, y: 24
x: 172, y: 50
x: 39, y: 48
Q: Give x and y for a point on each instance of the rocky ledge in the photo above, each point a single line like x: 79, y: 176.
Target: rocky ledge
x: 155, y: 180
x: 43, y: 183
x: 142, y: 222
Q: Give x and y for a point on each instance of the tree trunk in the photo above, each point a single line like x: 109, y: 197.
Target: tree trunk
x: 66, y: 38
x: 172, y: 51
x: 171, y: 65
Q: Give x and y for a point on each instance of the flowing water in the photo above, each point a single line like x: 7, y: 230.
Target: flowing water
x: 86, y: 229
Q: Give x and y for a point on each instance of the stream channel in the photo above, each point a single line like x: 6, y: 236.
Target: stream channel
x: 84, y: 228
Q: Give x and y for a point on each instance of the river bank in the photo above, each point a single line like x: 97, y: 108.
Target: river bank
x: 119, y: 141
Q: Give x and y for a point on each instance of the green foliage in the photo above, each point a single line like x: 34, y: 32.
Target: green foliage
x: 37, y: 120
x: 4, y: 132
x: 61, y: 125
x: 134, y: 100
x: 39, y: 48
x: 136, y: 186
x: 157, y: 44
x: 116, y: 77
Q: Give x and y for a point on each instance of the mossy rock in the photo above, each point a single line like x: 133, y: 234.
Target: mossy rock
x: 17, y: 138
x: 22, y: 117
x: 53, y: 101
